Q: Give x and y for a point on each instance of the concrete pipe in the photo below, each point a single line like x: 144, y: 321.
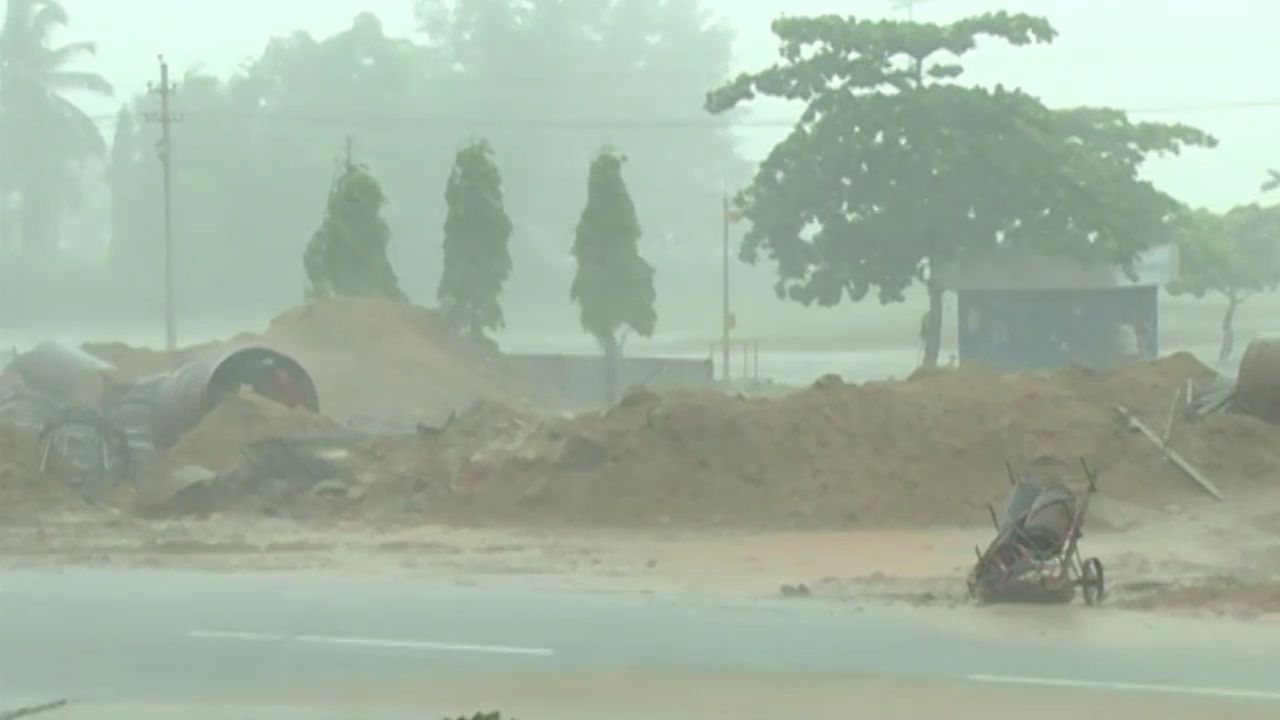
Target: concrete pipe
x: 69, y: 374
x: 182, y: 398
x: 1258, y: 381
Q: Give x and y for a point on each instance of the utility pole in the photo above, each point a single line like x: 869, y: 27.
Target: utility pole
x: 909, y: 6
x: 164, y: 149
x: 729, y: 321
x: 728, y: 317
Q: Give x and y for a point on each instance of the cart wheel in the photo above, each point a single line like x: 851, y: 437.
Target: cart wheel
x: 1093, y: 581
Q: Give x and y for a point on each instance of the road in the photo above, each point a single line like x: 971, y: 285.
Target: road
x: 141, y: 644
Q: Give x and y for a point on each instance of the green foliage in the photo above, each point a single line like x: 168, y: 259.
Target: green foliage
x: 44, y: 137
x: 1273, y: 181
x: 1235, y: 255
x: 476, y: 233
x: 895, y: 169
x: 556, y: 78
x: 347, y: 256
x: 481, y: 716
x: 255, y: 150
x: 543, y: 77
x: 614, y: 285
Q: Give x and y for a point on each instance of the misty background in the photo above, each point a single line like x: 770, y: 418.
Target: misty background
x: 270, y: 90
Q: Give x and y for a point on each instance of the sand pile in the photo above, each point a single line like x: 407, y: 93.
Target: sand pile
x: 397, y: 363
x: 927, y: 451
x: 132, y: 363
x: 236, y: 422
x: 378, y: 359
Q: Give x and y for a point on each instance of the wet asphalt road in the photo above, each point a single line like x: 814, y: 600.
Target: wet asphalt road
x: 132, y: 642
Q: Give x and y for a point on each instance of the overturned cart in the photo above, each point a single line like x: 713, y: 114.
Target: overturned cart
x: 1035, y: 556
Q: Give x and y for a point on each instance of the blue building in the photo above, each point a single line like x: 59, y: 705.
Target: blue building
x: 1019, y: 310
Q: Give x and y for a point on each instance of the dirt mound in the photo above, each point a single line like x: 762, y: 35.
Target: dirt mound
x: 373, y: 358
x: 236, y: 422
x: 370, y: 359
x: 927, y: 451
x: 133, y: 363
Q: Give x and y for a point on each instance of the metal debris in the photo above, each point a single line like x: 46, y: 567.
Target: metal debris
x: 1170, y: 454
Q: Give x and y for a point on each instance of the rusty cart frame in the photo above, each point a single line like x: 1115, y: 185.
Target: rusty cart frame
x: 1030, y: 561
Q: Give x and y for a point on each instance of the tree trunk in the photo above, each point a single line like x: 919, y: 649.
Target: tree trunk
x: 931, y: 327
x: 1228, y: 332
x: 612, y: 355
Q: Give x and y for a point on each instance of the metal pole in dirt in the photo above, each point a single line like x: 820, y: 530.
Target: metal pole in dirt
x: 724, y: 340
x: 166, y: 118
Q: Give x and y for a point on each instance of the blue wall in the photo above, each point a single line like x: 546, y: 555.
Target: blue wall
x: 1050, y: 329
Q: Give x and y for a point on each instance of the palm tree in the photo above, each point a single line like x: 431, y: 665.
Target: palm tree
x: 43, y: 135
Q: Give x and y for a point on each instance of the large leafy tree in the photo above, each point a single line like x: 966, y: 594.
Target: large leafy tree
x: 477, y: 230
x: 44, y: 136
x: 1235, y: 255
x: 347, y: 255
x: 896, y: 169
x: 614, y: 284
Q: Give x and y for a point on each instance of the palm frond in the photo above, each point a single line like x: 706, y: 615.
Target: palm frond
x: 1273, y: 182
x: 72, y: 126
x: 69, y: 52
x: 74, y: 80
x: 49, y: 14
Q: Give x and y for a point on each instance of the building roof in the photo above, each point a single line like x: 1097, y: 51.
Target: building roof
x: 1014, y: 269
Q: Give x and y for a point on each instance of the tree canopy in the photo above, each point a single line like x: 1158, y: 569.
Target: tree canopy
x: 896, y: 169
x: 614, y: 284
x: 477, y: 230
x: 545, y: 81
x: 1235, y: 255
x: 253, y: 154
x: 44, y: 136
x: 550, y: 81
x: 347, y: 255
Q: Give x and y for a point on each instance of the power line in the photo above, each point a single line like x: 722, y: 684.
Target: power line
x: 676, y: 123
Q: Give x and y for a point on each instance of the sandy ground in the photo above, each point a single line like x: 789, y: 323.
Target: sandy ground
x: 1222, y: 559
x: 1197, y: 557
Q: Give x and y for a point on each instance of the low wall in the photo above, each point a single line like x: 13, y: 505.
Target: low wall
x: 579, y: 379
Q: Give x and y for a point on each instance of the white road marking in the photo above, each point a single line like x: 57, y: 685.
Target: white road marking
x: 404, y: 644
x: 426, y: 645
x: 1128, y: 687
x: 234, y: 635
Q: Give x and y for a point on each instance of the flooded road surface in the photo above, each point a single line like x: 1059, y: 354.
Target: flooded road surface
x: 302, y: 644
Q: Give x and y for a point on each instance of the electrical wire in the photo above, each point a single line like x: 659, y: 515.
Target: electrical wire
x: 673, y: 123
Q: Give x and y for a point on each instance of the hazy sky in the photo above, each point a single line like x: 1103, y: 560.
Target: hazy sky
x: 1181, y: 58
